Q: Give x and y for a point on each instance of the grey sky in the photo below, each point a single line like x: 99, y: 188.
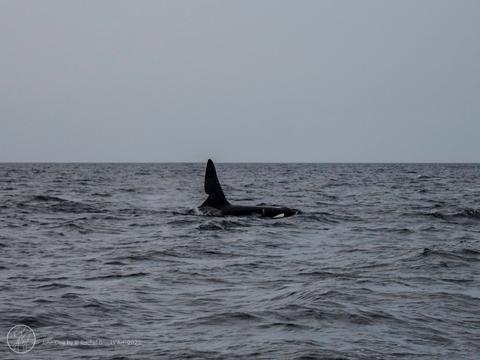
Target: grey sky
x: 273, y: 81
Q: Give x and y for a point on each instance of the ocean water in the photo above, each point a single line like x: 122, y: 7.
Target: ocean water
x: 111, y: 261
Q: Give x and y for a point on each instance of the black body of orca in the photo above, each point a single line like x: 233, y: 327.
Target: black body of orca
x: 218, y: 205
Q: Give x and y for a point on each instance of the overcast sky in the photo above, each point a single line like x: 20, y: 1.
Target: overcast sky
x: 240, y: 81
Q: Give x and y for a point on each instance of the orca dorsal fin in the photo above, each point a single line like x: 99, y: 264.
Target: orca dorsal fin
x: 216, y: 198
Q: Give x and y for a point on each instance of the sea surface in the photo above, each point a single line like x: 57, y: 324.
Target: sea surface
x: 113, y: 261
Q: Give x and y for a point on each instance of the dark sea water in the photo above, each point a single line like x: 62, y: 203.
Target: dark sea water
x: 111, y: 261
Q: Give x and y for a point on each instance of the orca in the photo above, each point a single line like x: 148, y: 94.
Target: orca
x: 218, y: 205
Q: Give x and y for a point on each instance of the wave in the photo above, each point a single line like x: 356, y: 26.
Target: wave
x: 117, y: 276
x: 459, y: 216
